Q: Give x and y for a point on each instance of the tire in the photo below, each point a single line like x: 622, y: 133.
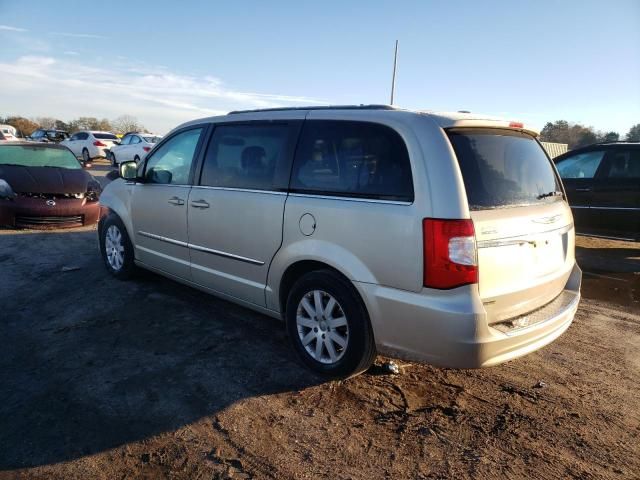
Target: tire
x: 85, y: 156
x: 113, y: 159
x: 120, y: 266
x: 348, y: 319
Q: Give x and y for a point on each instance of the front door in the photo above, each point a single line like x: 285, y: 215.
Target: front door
x: 616, y: 194
x: 235, y: 213
x: 159, y: 205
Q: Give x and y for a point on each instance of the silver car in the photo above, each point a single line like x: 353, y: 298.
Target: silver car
x: 443, y: 238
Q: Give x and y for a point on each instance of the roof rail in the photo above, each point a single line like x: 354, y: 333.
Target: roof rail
x: 321, y: 107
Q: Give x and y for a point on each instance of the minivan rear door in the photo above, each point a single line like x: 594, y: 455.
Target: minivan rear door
x: 523, y: 224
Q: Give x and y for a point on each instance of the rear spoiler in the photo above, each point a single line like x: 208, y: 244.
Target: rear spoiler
x: 468, y: 121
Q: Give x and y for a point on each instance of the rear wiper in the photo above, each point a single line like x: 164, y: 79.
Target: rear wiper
x: 555, y: 193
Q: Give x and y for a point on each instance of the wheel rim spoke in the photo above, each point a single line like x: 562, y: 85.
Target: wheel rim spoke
x: 328, y: 311
x: 306, y: 322
x: 317, y: 302
x: 330, y: 349
x: 308, y: 308
x: 308, y: 337
x: 318, y: 351
x: 338, y: 339
x: 337, y: 322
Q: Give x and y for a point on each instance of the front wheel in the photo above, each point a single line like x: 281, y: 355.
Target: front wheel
x: 85, y: 156
x: 116, y: 248
x: 328, y: 325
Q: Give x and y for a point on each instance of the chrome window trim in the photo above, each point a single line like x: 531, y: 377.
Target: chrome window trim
x: 236, y: 189
x: 351, y: 199
x: 201, y: 248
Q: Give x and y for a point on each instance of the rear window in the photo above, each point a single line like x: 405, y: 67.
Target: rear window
x: 152, y: 139
x: 105, y: 136
x: 502, y: 168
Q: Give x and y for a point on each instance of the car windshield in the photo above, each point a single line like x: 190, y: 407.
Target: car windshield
x: 28, y: 156
x: 152, y: 139
x: 501, y: 168
x: 105, y: 136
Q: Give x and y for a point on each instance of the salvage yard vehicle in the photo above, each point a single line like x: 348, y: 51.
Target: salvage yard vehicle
x: 444, y: 238
x: 133, y: 147
x: 603, y: 187
x: 48, y: 135
x: 90, y: 144
x: 43, y: 185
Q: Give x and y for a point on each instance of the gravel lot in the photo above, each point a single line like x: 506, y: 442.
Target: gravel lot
x: 108, y: 379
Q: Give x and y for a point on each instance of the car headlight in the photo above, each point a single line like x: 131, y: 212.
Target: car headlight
x: 93, y: 190
x: 5, y: 190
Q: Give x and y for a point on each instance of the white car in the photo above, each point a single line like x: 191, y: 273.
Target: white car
x: 133, y: 146
x: 90, y: 144
x: 8, y: 133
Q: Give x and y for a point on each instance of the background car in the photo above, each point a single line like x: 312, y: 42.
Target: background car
x: 43, y: 185
x: 89, y: 144
x: 8, y: 133
x: 133, y: 146
x: 602, y: 182
x: 48, y: 135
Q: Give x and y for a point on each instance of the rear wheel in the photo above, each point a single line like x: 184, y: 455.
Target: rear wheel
x: 116, y: 248
x: 112, y: 157
x: 85, y: 156
x: 328, y: 325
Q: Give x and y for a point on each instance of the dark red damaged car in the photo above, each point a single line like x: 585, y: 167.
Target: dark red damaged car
x: 44, y: 186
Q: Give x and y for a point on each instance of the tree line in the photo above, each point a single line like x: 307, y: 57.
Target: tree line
x: 576, y: 135
x: 122, y: 124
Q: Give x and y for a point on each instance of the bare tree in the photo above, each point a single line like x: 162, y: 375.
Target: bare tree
x: 46, y: 122
x: 126, y: 123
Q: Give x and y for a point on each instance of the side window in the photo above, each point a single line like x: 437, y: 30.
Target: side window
x: 134, y: 139
x: 358, y: 159
x: 125, y: 140
x: 82, y: 136
x: 74, y: 137
x: 583, y: 165
x: 251, y: 156
x: 623, y: 164
x: 171, y: 163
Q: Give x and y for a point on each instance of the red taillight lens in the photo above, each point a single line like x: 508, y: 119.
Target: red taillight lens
x: 449, y: 249
x: 146, y: 149
x: 516, y: 125
x: 98, y: 143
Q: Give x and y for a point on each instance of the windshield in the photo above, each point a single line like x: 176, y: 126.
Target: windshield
x: 105, y: 136
x: 503, y: 168
x: 28, y: 156
x: 152, y: 139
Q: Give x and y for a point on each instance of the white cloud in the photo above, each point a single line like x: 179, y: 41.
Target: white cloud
x: 77, y: 35
x: 8, y: 28
x: 160, y: 99
x: 71, y: 52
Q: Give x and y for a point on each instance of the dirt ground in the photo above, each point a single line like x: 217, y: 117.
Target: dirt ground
x: 150, y: 379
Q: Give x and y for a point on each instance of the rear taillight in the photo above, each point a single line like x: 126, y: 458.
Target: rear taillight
x: 449, y: 249
x: 516, y: 125
x: 98, y: 143
x: 146, y: 149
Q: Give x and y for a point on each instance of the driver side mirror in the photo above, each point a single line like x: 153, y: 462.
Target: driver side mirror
x: 129, y: 171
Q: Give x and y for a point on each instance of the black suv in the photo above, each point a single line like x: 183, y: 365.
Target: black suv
x: 602, y: 182
x: 49, y: 135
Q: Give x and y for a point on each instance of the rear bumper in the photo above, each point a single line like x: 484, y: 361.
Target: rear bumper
x: 25, y: 212
x: 450, y: 328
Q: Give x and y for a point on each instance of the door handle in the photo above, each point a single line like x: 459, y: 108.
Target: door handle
x: 583, y: 189
x: 176, y: 201
x: 199, y: 204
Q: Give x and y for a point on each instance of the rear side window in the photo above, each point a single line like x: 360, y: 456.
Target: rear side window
x: 582, y: 165
x: 357, y: 159
x: 250, y: 156
x: 502, y: 168
x: 623, y: 164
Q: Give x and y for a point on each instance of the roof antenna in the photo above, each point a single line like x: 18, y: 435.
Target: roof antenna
x: 393, y: 79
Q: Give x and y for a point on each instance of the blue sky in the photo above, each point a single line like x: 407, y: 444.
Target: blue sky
x: 168, y: 62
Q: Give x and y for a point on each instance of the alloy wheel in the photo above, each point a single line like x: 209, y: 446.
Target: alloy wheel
x: 114, y: 247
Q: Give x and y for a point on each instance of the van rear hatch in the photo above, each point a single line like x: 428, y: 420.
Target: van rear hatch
x: 523, y: 225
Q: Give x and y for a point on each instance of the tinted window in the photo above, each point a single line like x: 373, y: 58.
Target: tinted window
x: 171, y: 163
x: 623, y: 164
x: 352, y: 159
x: 125, y: 140
x: 28, y: 156
x: 105, y: 136
x: 152, y: 139
x: 135, y: 139
x: 501, y: 168
x: 82, y: 136
x: 582, y: 165
x: 248, y: 156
